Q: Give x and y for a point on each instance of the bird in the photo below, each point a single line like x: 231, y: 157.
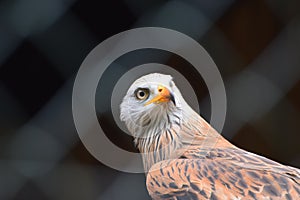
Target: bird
x: 184, y: 157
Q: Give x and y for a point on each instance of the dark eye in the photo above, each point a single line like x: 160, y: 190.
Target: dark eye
x: 142, y: 93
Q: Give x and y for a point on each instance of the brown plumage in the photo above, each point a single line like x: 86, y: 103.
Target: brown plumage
x: 187, y: 159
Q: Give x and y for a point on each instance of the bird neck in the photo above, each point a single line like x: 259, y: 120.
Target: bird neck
x: 177, y: 137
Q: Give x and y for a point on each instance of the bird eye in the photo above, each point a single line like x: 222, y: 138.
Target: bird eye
x: 142, y: 93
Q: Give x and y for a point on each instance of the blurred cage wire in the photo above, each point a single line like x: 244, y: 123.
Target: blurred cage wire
x: 255, y: 44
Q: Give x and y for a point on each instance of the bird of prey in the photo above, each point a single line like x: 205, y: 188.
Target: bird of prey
x: 185, y: 158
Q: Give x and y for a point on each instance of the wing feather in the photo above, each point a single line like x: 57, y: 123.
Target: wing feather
x: 223, y: 174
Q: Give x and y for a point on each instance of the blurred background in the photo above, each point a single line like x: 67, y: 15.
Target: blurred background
x: 255, y: 44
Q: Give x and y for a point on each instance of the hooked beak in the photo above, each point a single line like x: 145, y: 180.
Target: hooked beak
x: 164, y: 95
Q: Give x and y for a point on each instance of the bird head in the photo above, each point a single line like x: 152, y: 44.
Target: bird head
x: 151, y: 105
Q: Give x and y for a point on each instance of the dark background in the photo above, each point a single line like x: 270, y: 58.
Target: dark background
x: 255, y: 44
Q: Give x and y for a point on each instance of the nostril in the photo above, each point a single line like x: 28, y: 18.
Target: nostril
x: 160, y: 89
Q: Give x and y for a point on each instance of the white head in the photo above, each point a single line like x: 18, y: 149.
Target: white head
x: 151, y: 105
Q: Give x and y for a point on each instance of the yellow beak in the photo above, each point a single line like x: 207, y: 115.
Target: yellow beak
x: 164, y: 95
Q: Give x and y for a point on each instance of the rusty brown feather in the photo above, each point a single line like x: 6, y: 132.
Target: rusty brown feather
x: 187, y: 159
